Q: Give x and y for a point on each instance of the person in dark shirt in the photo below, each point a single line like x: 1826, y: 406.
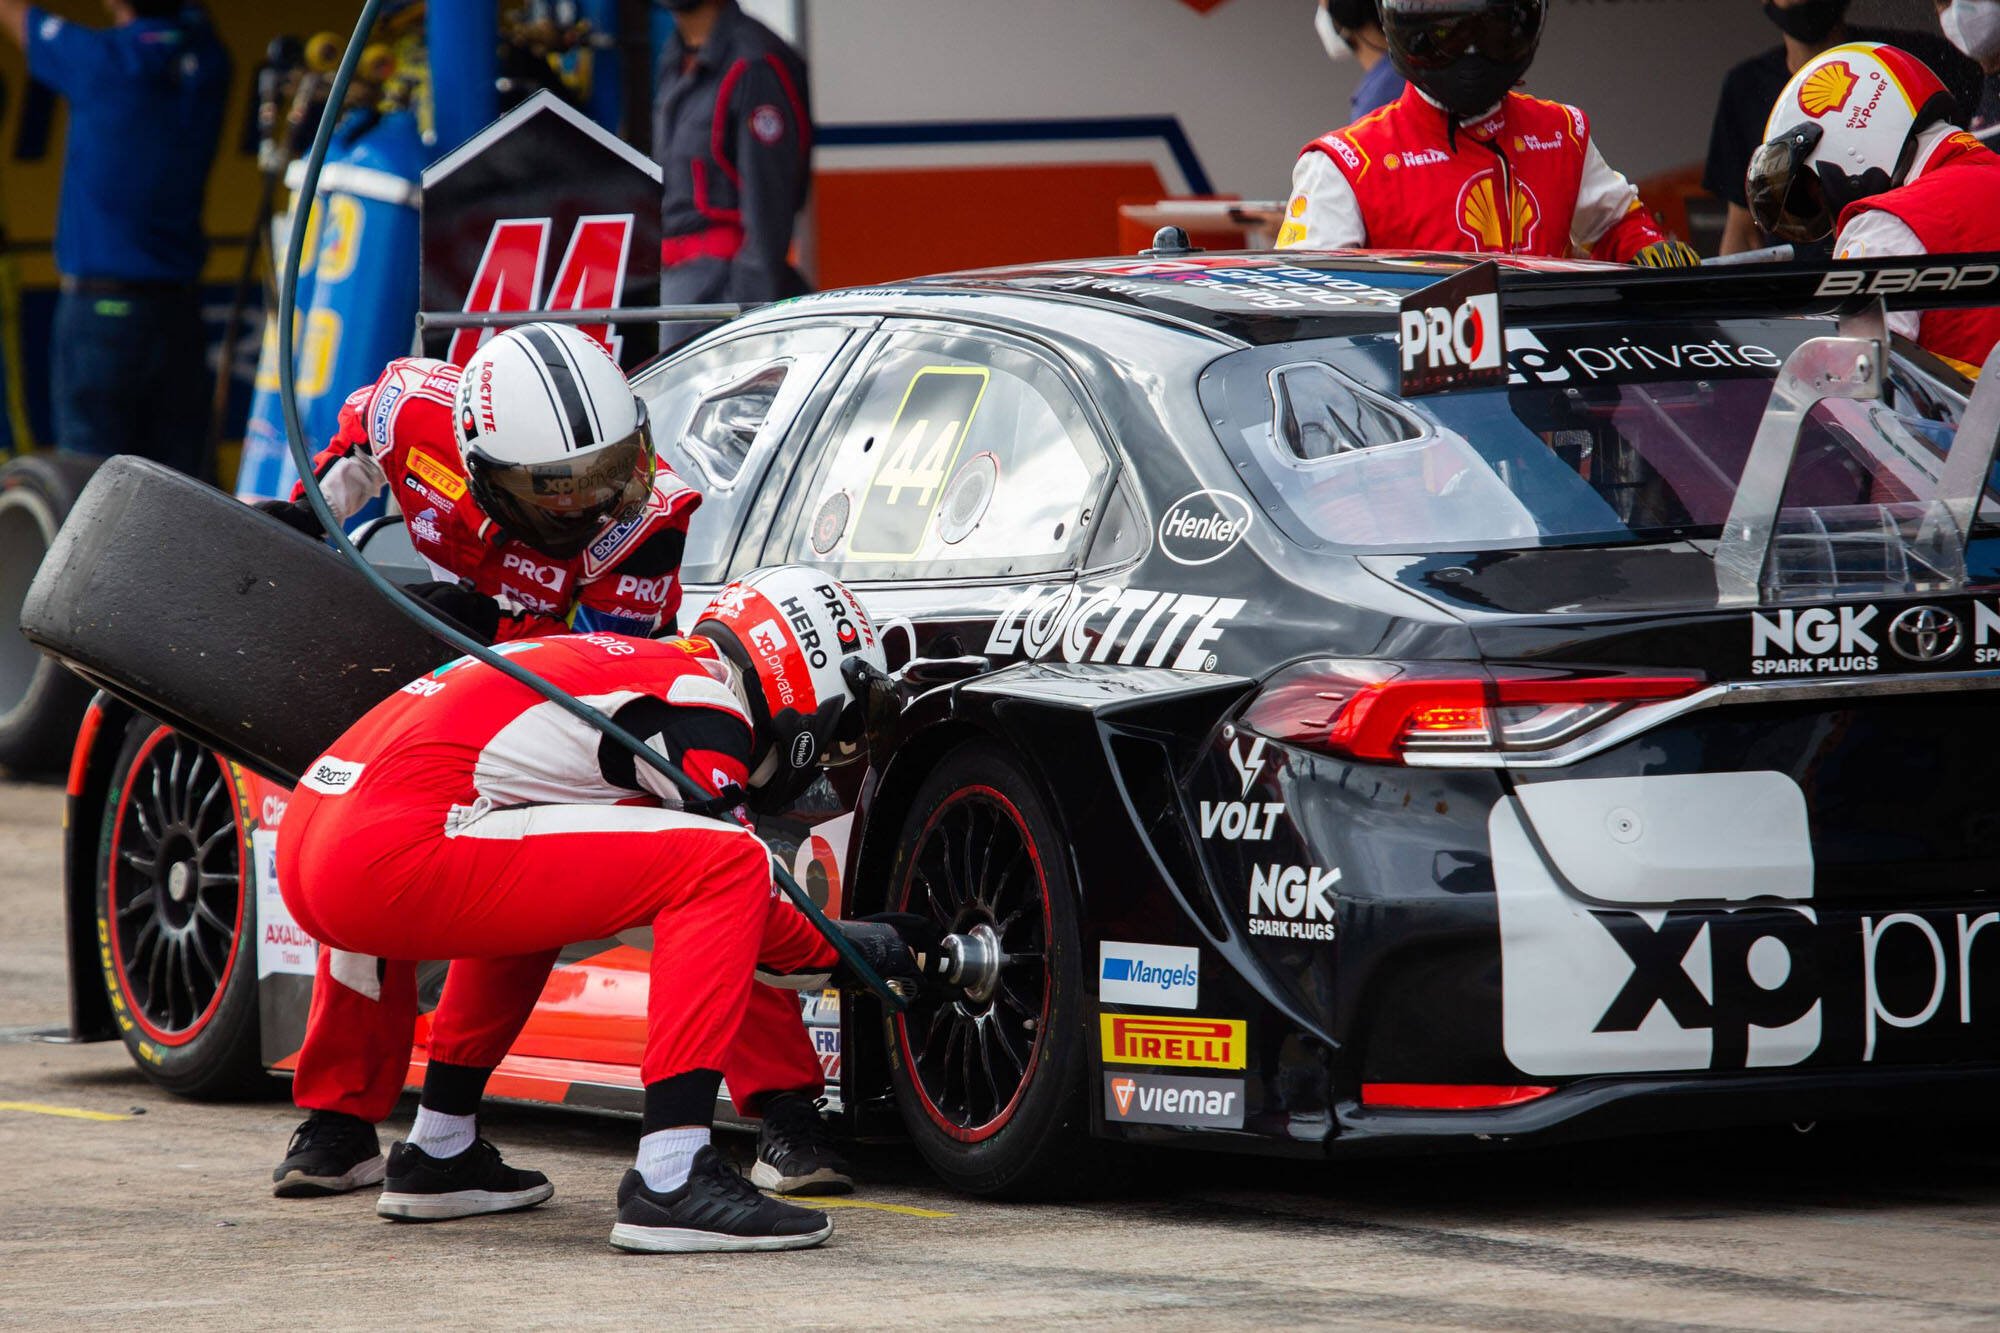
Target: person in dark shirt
x: 1352, y: 29
x: 1751, y: 88
x: 145, y: 100
x: 732, y: 130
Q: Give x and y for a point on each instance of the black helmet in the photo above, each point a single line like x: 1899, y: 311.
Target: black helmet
x: 1463, y: 54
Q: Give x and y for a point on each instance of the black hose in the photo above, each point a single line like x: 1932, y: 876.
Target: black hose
x: 415, y: 610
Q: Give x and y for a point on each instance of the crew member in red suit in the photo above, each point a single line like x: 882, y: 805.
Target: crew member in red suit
x: 1901, y: 180
x: 1461, y: 162
x: 528, y: 482
x: 467, y: 817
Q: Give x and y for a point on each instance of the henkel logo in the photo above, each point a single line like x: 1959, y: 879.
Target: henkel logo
x: 1827, y: 88
x: 1144, y: 1039
x: 1170, y: 1099
x: 590, y: 276
x: 1293, y: 902
x: 1201, y: 528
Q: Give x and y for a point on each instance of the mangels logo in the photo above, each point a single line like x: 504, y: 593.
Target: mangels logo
x: 1450, y: 333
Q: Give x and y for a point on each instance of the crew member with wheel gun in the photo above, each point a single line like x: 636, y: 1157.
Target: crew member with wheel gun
x: 467, y: 817
x: 529, y: 483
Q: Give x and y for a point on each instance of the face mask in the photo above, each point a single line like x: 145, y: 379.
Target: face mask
x: 1809, y: 22
x: 1337, y: 50
x: 1973, y: 27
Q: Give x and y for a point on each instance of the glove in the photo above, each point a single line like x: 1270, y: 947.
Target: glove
x: 900, y: 946
x: 474, y: 612
x: 297, y: 517
x: 1667, y: 254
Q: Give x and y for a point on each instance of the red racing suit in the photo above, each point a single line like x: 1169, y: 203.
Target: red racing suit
x: 1949, y: 205
x: 397, y: 433
x: 1525, y: 180
x: 468, y: 818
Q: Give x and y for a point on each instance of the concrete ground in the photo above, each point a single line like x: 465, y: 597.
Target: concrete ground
x: 156, y: 1212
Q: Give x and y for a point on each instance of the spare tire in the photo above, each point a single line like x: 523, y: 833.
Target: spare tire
x: 218, y: 620
x: 40, y: 703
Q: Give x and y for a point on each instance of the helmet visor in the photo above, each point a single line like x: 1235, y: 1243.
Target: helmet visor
x: 1784, y: 192
x: 558, y: 507
x: 1436, y: 34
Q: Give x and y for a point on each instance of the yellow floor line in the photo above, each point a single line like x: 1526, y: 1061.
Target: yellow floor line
x: 817, y: 1201
x: 68, y: 1112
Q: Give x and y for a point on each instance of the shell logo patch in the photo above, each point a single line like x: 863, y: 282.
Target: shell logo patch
x: 1827, y: 88
x: 1479, y: 216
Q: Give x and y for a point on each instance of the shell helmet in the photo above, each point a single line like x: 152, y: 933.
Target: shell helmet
x: 555, y: 443
x: 1845, y: 128
x: 788, y: 630
x: 1463, y: 54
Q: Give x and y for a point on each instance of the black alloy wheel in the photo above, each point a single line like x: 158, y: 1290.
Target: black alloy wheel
x: 176, y: 915
x: 989, y: 1076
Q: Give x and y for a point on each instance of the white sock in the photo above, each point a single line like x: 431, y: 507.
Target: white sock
x: 666, y: 1155
x: 443, y: 1135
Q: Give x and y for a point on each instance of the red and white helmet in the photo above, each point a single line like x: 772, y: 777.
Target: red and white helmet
x: 1845, y: 128
x: 554, y: 441
x: 789, y: 629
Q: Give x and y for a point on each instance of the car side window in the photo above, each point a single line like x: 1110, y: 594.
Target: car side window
x: 719, y: 414
x: 957, y: 457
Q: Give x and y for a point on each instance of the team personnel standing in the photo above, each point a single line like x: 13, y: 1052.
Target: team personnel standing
x: 145, y: 112
x: 451, y: 822
x: 1751, y: 89
x: 1462, y: 162
x: 1352, y: 30
x: 1904, y: 181
x: 1973, y: 28
x: 732, y: 130
x: 529, y: 483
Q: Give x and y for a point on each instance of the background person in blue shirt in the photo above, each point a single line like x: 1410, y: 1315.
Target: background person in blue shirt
x: 1354, y: 28
x: 145, y: 112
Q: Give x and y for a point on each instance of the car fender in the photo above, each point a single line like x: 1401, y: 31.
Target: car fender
x: 97, y: 744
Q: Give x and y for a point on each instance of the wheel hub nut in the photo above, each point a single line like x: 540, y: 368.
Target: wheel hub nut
x: 180, y: 881
x: 973, y: 961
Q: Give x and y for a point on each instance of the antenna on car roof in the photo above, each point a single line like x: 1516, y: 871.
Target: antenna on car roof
x: 1169, y: 243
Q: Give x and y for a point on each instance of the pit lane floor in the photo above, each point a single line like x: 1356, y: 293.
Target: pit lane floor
x: 163, y: 1217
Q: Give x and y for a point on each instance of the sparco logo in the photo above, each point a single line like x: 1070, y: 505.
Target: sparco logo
x: 1201, y: 528
x: 1926, y: 634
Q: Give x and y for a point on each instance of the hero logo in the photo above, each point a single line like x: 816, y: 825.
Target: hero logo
x: 1242, y: 820
x: 1131, y: 626
x: 651, y: 591
x: 591, y: 275
x: 1292, y: 902
x: 1813, y: 641
x: 1201, y: 528
x: 808, y: 631
x: 547, y: 576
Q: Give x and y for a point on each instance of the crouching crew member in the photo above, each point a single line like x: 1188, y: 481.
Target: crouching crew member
x: 529, y: 483
x: 469, y: 818
x: 1905, y: 181
x: 1461, y: 162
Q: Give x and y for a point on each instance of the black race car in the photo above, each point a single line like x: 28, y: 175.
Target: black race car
x: 1349, y: 701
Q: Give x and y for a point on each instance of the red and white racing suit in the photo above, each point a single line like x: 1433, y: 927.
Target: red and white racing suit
x: 1524, y: 180
x: 397, y: 433
x: 468, y: 818
x: 1950, y: 204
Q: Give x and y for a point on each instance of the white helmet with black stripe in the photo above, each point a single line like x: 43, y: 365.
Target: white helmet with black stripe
x: 555, y: 444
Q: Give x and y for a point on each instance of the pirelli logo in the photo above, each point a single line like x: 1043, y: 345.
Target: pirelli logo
x: 1195, y: 1043
x: 436, y: 475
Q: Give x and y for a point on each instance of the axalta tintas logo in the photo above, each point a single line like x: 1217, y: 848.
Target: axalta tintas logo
x: 1164, y: 976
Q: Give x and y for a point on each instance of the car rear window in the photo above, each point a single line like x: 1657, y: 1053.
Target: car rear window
x: 1603, y: 434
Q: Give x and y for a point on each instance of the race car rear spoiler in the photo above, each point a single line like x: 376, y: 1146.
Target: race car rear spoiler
x: 1837, y: 287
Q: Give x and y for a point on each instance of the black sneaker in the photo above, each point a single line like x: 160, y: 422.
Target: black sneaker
x: 716, y: 1210
x: 423, y: 1188
x: 795, y: 1155
x: 331, y: 1153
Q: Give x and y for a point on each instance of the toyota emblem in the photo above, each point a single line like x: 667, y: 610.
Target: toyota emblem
x: 1925, y: 634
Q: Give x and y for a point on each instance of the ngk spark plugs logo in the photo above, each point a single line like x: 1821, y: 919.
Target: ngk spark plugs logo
x: 1130, y: 626
x: 1857, y: 640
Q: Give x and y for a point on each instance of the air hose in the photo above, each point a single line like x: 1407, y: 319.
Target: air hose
x: 409, y: 606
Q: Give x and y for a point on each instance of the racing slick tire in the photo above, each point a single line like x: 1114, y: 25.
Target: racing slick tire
x: 198, y: 610
x: 40, y: 703
x: 990, y: 1082
x: 177, y: 916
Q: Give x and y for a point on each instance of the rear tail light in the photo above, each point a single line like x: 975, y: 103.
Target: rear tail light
x: 1450, y: 1096
x: 1385, y: 712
